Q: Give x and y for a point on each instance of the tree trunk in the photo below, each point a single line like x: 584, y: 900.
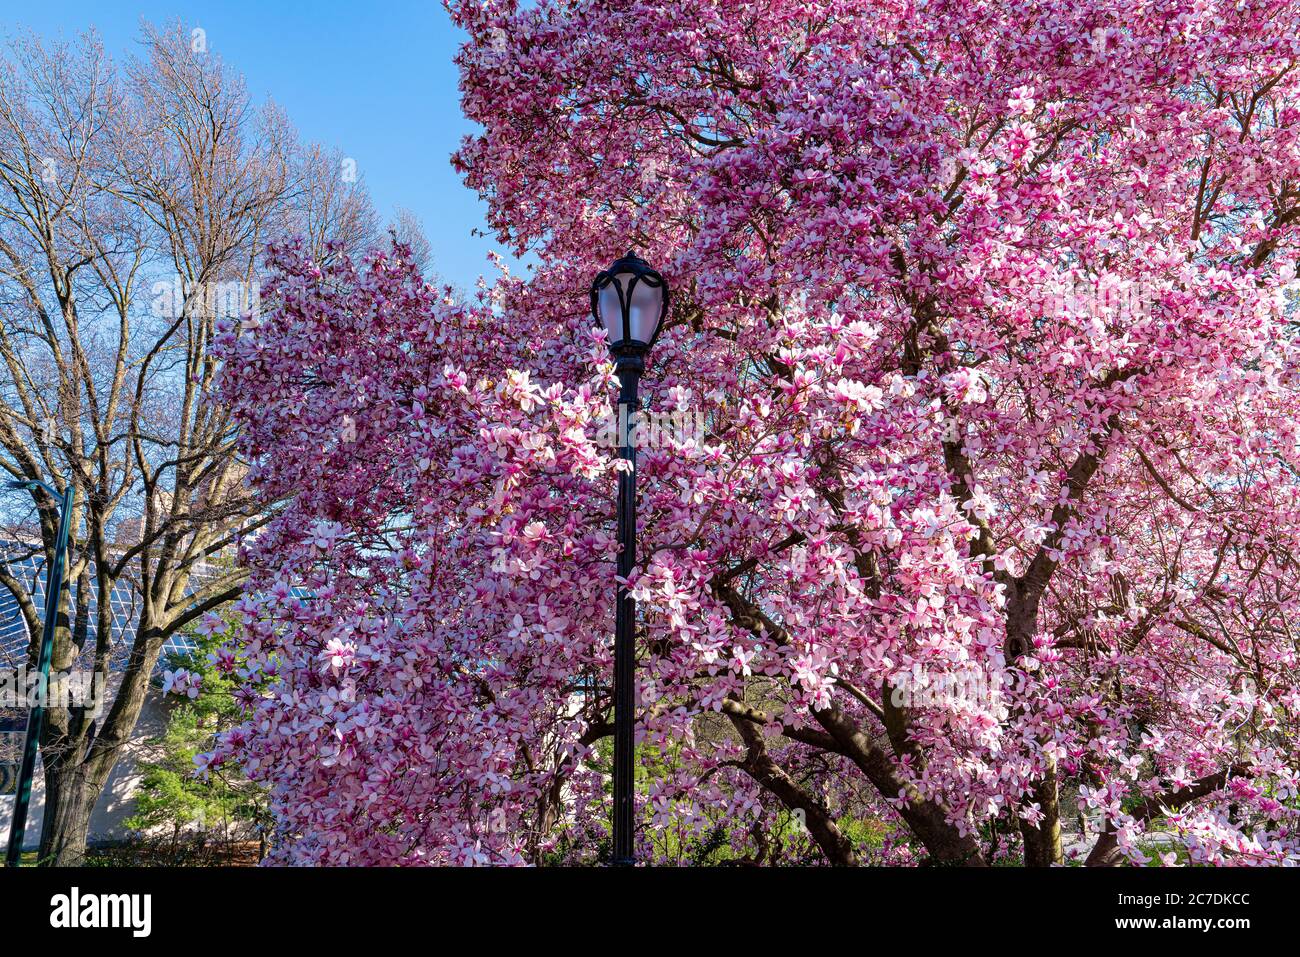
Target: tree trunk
x: 79, y: 760
x: 1105, y: 853
x: 815, y: 817
x: 1043, y: 840
x: 928, y: 820
x: 70, y: 799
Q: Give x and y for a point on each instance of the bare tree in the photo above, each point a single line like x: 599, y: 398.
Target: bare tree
x: 407, y: 229
x: 134, y: 203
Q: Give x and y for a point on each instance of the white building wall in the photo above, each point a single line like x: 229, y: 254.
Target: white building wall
x: 117, y: 803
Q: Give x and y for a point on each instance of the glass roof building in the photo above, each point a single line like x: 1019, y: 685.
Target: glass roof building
x: 27, y: 563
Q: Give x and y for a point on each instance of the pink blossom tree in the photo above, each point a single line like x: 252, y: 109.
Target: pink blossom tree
x: 985, y: 309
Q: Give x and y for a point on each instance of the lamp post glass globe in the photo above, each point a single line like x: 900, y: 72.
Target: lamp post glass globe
x: 629, y: 301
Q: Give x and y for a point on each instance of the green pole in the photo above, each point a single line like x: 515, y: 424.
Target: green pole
x: 36, y: 715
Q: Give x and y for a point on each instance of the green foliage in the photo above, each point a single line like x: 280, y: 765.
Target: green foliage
x: 868, y: 833
x: 178, y: 808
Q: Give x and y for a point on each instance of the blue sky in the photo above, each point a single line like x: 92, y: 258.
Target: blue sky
x: 377, y: 81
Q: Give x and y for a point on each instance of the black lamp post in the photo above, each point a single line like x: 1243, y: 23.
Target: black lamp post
x: 35, y: 717
x: 629, y: 300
